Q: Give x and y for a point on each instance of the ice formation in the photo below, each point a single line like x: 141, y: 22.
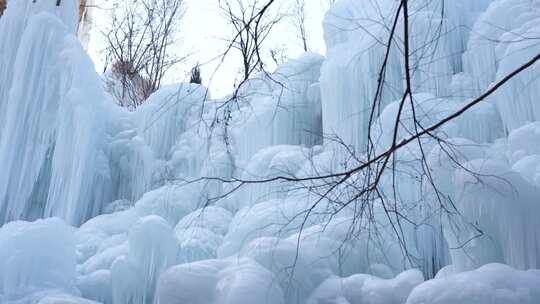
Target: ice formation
x: 103, y: 205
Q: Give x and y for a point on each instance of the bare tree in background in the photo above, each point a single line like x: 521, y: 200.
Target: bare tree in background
x: 278, y: 55
x: 252, y: 24
x: 138, y: 47
x: 299, y: 16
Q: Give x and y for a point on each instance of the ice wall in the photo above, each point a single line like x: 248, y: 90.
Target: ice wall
x: 12, y: 25
x: 513, y: 238
x: 80, y: 184
x: 57, y: 165
x: 514, y: 52
x: 147, y: 147
x: 168, y: 113
x: 280, y: 108
x: 349, y: 73
x: 356, y: 49
x: 486, y: 46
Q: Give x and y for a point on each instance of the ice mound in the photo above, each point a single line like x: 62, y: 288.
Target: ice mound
x: 219, y: 281
x: 270, y: 218
x: 36, y: 257
x: 200, y: 233
x: 367, y: 289
x: 296, y: 276
x: 197, y: 244
x: 492, y: 283
x: 96, y: 286
x: 171, y: 202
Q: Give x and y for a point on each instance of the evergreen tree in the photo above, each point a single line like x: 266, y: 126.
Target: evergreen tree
x: 196, y: 75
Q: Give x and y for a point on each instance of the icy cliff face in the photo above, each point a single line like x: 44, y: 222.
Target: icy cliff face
x: 48, y: 76
x: 129, y: 221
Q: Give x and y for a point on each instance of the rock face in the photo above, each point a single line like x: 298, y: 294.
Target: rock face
x: 2, y: 6
x: 85, y: 17
x: 82, y: 8
x: 85, y: 21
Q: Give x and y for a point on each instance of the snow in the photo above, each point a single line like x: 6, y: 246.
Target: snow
x: 99, y: 204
